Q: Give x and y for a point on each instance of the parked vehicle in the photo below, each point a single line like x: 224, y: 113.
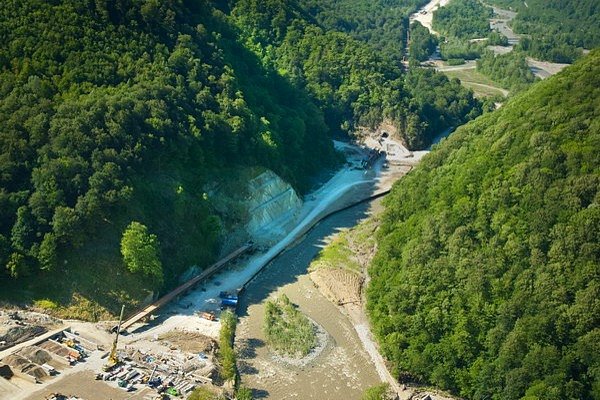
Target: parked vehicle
x: 227, y: 295
x: 229, y: 302
x: 49, y: 368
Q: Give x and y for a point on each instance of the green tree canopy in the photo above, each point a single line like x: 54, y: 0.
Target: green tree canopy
x: 486, y: 280
x: 422, y: 43
x: 378, y: 392
x: 555, y: 30
x: 203, y: 393
x: 106, y: 109
x: 140, y: 252
x: 464, y: 19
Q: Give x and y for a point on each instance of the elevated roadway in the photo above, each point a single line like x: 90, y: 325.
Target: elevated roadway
x: 181, y: 289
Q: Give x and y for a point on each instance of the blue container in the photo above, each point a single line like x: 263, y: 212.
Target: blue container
x: 229, y: 302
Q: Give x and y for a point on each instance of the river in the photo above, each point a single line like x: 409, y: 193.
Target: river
x: 343, y: 370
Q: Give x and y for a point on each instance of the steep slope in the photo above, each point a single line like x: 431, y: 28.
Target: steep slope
x: 381, y: 23
x: 119, y: 111
x: 487, y: 279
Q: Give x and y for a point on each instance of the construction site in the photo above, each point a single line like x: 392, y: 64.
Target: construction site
x: 165, y: 349
x: 54, y: 365
x: 45, y: 358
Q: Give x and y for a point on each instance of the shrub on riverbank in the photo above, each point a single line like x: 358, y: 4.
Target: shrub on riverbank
x: 243, y: 393
x: 203, y: 393
x: 378, y: 392
x: 287, y: 330
x: 226, y: 352
x: 338, y: 254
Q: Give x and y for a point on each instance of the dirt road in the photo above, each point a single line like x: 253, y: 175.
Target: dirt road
x: 425, y: 15
x: 470, y: 64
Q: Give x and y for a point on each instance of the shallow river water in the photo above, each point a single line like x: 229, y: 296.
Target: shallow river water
x: 343, y: 370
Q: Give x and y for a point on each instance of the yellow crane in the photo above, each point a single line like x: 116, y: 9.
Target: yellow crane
x: 113, y: 358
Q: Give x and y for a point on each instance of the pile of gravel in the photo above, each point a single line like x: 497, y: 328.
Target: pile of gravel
x: 17, y: 326
x: 36, y: 354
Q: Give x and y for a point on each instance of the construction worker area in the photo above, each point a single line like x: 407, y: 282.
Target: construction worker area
x: 83, y: 364
x: 36, y: 350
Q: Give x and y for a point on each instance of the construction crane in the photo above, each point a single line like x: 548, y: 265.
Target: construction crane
x: 113, y: 359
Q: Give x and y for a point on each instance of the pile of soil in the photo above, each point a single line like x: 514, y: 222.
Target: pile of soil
x: 190, y: 342
x: 12, y: 334
x: 56, y: 348
x: 23, y: 365
x: 16, y: 361
x: 19, y: 326
x: 36, y: 355
x: 36, y: 371
x: 6, y: 372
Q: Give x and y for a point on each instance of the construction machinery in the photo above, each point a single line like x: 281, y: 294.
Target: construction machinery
x: 113, y: 358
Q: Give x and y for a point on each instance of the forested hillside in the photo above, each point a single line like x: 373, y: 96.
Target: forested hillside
x: 351, y: 81
x: 510, y: 70
x: 121, y: 114
x: 460, y: 21
x: 381, y: 23
x: 463, y: 19
x: 555, y: 30
x: 422, y: 42
x: 487, y: 278
x: 120, y: 111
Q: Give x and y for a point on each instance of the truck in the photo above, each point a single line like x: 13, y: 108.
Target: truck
x: 228, y: 295
x: 49, y: 368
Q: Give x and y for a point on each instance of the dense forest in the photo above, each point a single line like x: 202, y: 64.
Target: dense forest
x: 422, y: 42
x: 381, y: 23
x: 555, y: 30
x: 352, y: 82
x: 463, y: 19
x: 115, y: 113
x: 454, y: 48
x: 458, y: 22
x: 486, y: 281
x: 510, y: 70
x: 124, y: 111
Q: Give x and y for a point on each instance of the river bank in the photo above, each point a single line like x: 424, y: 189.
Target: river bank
x: 343, y: 370
x: 425, y: 14
x: 350, y: 185
x: 331, y: 274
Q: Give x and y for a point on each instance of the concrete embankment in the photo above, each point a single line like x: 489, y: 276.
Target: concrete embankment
x: 349, y: 186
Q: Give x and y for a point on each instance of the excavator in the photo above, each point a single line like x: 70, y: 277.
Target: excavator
x: 113, y: 358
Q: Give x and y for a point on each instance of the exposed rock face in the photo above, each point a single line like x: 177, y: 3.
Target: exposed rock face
x: 273, y: 206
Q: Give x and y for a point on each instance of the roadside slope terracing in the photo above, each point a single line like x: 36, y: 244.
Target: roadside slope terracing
x: 350, y: 185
